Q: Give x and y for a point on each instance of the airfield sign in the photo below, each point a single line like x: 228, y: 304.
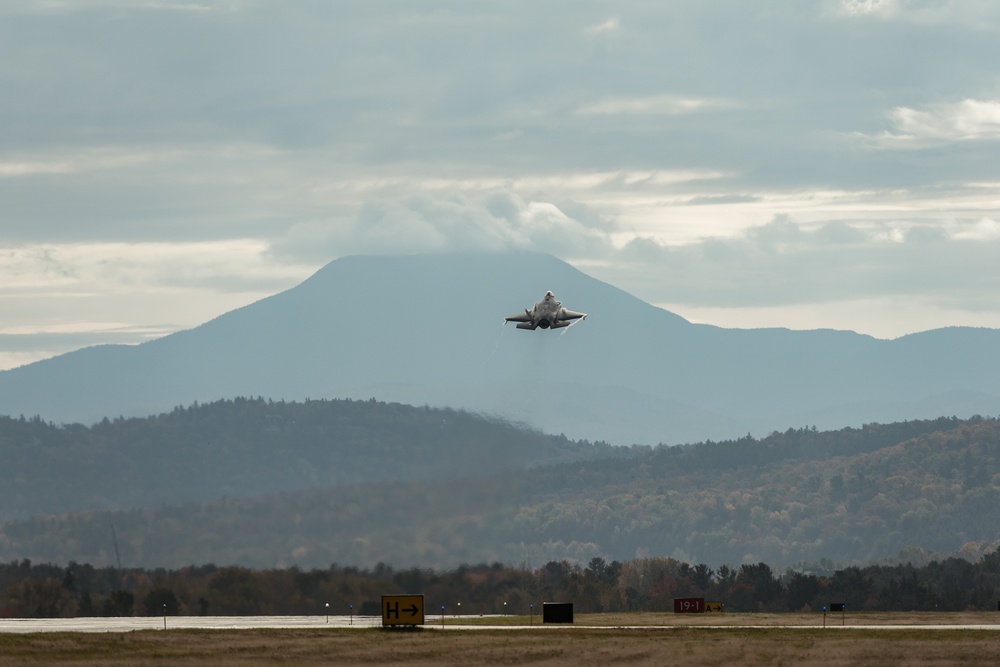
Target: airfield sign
x: 689, y: 605
x: 402, y: 610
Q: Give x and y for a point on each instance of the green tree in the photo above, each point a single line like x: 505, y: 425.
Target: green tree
x: 701, y: 576
x: 802, y: 590
x: 39, y: 598
x: 159, y: 601
x: 119, y: 603
x: 763, y: 588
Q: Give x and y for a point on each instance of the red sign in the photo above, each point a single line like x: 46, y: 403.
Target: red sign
x: 689, y: 605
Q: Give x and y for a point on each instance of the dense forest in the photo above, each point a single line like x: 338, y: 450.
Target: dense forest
x: 247, y: 447
x: 649, y: 584
x: 852, y: 496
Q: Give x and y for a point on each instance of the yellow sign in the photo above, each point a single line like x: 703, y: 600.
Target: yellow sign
x: 402, y: 610
x: 713, y: 607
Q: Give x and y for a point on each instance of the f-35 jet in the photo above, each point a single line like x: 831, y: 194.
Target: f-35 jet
x: 547, y: 314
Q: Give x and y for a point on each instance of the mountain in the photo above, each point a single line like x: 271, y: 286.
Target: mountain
x: 427, y: 330
x: 248, y: 447
x: 851, y: 496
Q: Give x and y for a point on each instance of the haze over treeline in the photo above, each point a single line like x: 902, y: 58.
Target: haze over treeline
x: 850, y: 496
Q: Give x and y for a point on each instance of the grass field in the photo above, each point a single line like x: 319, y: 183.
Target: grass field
x: 650, y: 639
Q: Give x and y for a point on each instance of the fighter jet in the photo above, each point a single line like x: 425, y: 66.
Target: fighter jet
x: 547, y: 314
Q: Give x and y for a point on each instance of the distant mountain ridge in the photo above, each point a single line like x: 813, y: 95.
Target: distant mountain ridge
x: 426, y: 330
x: 249, y: 447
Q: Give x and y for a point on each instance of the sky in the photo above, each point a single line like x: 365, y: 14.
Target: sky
x: 775, y: 163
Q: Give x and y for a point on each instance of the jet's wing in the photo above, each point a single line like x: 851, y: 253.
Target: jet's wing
x: 570, y: 315
x: 521, y: 317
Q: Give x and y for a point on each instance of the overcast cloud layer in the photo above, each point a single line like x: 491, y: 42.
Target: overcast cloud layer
x: 774, y: 163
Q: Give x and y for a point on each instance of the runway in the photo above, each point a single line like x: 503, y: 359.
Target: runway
x: 105, y: 625
x: 26, y: 625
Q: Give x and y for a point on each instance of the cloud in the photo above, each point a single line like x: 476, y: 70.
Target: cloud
x: 652, y: 105
x: 496, y: 220
x: 714, y: 199
x: 984, y: 229
x: 85, y: 269
x: 67, y: 6
x: 608, y: 27
x: 60, y: 297
x: 21, y: 168
x: 946, y: 264
x: 935, y: 124
x: 978, y: 14
x: 880, y: 8
x: 930, y: 268
x: 77, y: 162
x: 961, y: 121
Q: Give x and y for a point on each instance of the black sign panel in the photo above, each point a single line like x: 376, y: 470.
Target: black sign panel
x: 557, y: 612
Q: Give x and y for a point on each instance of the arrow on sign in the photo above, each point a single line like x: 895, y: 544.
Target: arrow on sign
x: 413, y: 609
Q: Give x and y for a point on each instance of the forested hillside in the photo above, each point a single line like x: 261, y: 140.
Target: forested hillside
x: 248, y: 447
x: 851, y: 496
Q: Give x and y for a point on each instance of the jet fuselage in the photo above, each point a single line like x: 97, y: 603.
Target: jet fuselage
x: 546, y: 314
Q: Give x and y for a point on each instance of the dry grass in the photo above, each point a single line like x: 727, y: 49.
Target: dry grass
x: 665, y: 640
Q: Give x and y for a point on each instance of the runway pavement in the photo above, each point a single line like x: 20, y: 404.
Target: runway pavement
x: 178, y: 622
x: 30, y: 625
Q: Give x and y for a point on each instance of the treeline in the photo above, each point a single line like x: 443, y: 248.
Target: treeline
x: 650, y: 584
